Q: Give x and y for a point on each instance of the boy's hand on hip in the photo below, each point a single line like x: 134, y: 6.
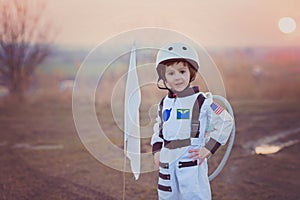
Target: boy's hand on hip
x: 200, y: 154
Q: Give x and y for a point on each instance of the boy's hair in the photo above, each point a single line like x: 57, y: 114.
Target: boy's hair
x: 167, y: 63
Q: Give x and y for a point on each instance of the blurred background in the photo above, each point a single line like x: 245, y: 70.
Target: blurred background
x: 254, y: 44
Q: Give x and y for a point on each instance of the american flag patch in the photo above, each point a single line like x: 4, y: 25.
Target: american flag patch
x: 216, y: 108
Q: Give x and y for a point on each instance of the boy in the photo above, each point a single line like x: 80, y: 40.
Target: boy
x: 189, y: 128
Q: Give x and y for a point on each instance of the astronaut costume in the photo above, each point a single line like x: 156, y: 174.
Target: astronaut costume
x: 186, y: 120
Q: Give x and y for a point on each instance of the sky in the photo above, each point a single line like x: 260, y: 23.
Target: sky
x: 219, y: 23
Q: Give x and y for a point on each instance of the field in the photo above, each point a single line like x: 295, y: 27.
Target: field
x: 42, y: 156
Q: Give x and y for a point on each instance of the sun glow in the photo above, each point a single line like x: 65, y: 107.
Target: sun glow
x: 287, y: 25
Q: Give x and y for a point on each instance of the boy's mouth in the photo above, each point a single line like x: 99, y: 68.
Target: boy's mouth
x: 178, y: 84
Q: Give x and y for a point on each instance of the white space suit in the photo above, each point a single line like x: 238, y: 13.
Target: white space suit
x: 179, y: 177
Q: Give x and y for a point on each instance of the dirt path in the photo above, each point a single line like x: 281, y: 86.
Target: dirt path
x: 273, y: 176
x: 21, y: 181
x: 65, y: 170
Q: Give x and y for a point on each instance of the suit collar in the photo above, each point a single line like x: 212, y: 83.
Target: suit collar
x: 187, y: 92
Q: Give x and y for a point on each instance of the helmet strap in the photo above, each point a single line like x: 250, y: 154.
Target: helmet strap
x: 166, y: 87
x: 160, y: 87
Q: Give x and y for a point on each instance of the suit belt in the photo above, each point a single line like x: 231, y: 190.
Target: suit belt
x: 180, y: 165
x: 174, y: 144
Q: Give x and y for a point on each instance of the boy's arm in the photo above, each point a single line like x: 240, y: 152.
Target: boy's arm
x: 220, y: 126
x: 156, y: 140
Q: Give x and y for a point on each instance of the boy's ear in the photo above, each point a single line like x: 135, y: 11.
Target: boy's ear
x: 168, y: 86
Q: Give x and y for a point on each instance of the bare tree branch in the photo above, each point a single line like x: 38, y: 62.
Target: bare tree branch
x: 24, y: 42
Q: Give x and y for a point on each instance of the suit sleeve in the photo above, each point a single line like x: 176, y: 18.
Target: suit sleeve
x: 220, y: 125
x: 156, y: 140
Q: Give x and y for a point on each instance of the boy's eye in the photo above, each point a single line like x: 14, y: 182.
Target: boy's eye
x: 182, y: 71
x: 170, y: 73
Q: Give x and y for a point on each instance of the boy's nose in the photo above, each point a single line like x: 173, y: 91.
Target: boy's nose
x: 178, y: 76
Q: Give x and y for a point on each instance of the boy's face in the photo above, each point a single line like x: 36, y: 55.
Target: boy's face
x: 177, y: 76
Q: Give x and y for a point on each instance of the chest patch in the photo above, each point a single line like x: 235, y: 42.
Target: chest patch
x: 183, y: 113
x: 166, y: 114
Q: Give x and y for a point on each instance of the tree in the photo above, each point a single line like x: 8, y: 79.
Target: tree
x: 25, y: 38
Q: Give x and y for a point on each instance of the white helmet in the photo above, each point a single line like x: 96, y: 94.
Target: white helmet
x: 176, y: 51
